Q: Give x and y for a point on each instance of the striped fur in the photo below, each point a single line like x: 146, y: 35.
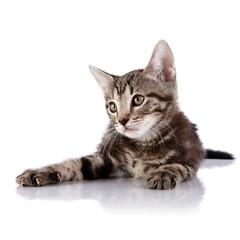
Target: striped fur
x: 148, y: 136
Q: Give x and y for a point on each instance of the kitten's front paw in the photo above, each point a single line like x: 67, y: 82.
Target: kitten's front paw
x: 163, y: 180
x: 38, y: 178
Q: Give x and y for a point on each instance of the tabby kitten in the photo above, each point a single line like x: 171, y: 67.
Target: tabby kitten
x: 148, y: 136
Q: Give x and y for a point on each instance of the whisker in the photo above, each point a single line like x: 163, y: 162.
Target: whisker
x: 108, y: 138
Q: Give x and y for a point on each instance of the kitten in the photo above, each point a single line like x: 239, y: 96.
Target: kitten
x: 148, y: 136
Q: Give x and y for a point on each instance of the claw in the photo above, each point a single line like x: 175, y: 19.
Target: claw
x: 38, y: 182
x: 155, y: 184
x: 58, y: 176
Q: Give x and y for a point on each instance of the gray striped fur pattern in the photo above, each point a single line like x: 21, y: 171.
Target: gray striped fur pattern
x: 148, y: 136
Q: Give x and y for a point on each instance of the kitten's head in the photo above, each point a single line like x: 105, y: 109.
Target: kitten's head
x: 141, y: 100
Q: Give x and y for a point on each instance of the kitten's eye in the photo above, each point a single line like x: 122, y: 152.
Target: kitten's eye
x: 113, y: 107
x: 137, y: 100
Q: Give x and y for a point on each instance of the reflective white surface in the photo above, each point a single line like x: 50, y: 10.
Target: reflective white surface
x: 121, y: 194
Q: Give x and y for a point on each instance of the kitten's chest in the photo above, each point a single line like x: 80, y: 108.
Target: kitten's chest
x: 137, y: 164
x: 146, y: 152
x: 138, y: 160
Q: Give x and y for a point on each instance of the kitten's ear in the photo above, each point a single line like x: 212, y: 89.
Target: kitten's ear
x: 161, y: 65
x: 104, y: 79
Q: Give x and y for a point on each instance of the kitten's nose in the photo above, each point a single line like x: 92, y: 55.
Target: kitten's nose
x: 123, y: 121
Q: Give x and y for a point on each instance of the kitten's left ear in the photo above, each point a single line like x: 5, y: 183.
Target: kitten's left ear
x: 104, y: 79
x: 161, y: 65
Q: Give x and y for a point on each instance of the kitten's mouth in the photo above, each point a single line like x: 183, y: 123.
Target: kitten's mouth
x: 132, y: 127
x: 131, y: 131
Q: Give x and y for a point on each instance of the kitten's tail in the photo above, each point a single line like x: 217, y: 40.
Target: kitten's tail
x: 212, y: 154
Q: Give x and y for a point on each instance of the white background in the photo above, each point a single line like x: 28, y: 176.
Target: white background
x: 52, y: 109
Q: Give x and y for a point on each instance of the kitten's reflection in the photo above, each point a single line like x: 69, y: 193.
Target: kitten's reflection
x: 121, y: 193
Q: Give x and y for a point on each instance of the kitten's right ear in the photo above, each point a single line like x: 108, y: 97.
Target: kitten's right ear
x: 104, y: 79
x: 161, y: 65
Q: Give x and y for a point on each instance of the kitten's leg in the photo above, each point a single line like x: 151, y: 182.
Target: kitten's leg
x: 85, y: 168
x: 168, y: 176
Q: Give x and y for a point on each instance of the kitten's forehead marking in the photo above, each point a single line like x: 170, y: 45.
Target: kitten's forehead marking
x: 123, y: 100
x: 129, y: 81
x: 120, y: 86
